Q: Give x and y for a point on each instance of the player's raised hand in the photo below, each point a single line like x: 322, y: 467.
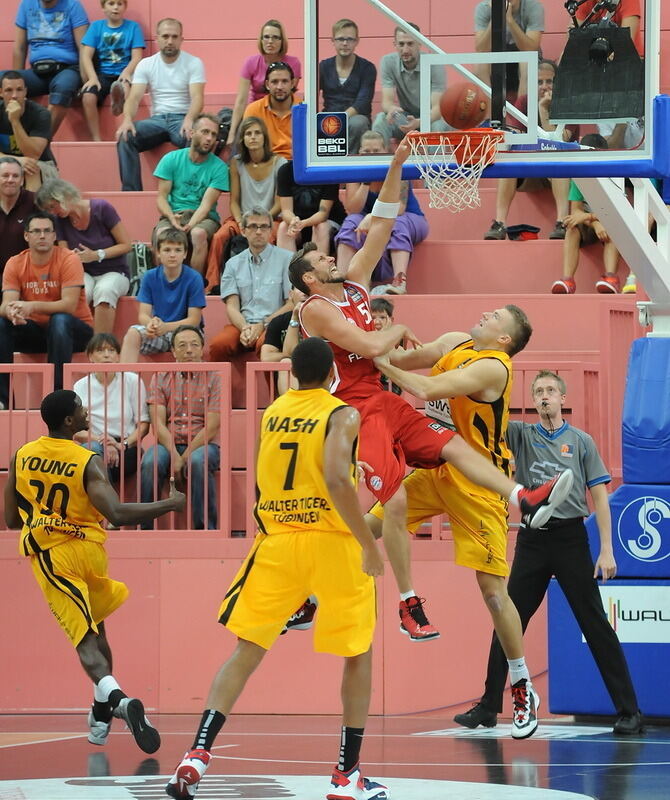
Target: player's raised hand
x: 402, y: 152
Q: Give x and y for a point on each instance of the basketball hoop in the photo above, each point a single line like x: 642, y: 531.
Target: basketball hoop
x: 451, y: 164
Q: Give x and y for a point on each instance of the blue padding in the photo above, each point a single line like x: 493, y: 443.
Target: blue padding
x: 646, y: 413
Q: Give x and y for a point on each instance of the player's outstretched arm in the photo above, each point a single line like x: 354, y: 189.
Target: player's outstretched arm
x: 12, y: 516
x: 428, y: 354
x: 365, y: 260
x: 104, y: 497
x: 338, y: 466
x: 488, y: 374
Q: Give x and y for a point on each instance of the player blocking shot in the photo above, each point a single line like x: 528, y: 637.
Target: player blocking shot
x: 58, y: 494
x: 312, y: 540
x: 394, y: 435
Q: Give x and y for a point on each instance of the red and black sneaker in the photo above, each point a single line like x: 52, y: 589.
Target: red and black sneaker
x: 186, y: 779
x: 413, y: 620
x: 526, y: 702
x: 303, y: 619
x: 538, y: 505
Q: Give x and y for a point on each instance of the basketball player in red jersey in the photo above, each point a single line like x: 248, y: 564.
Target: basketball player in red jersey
x: 393, y: 434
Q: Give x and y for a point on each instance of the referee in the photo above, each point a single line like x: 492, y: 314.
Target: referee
x: 541, y: 451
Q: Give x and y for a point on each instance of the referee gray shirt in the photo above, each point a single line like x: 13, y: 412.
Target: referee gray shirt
x: 540, y: 456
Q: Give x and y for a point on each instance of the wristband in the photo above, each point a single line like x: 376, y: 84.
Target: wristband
x: 385, y: 210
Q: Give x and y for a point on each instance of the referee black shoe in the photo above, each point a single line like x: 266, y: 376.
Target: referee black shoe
x: 538, y: 505
x: 131, y: 711
x: 476, y: 716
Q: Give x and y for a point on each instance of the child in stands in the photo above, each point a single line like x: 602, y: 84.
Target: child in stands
x: 171, y: 294
x: 111, y: 49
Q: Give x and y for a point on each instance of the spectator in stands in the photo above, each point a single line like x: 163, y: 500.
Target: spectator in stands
x: 409, y: 229
x: 44, y: 306
x: 16, y: 205
x: 111, y: 49
x: 253, y: 184
x: 308, y: 213
x: 400, y: 74
x: 254, y: 287
x: 584, y: 228
x: 93, y: 229
x: 171, y: 295
x: 381, y: 310
x: 185, y: 417
x: 190, y: 182
x: 272, y: 47
x: 281, y: 337
x: 626, y: 15
x: 347, y: 82
x: 49, y: 33
x: 176, y: 82
x: 507, y: 187
x: 524, y: 23
x: 275, y: 108
x: 117, y: 409
x: 25, y: 131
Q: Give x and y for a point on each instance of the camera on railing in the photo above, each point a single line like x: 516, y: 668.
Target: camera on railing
x: 610, y: 6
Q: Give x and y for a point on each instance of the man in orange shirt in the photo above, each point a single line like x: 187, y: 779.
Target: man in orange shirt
x: 44, y: 306
x: 275, y: 108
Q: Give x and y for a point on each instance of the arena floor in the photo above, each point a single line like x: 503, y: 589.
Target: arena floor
x: 422, y: 757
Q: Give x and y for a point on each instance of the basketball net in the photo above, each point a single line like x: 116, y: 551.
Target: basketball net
x: 451, y: 164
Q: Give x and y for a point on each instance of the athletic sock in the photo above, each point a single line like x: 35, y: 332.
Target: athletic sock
x: 102, y: 712
x: 514, y: 495
x: 210, y: 725
x: 405, y: 596
x: 350, y: 748
x: 107, y: 691
x: 517, y: 670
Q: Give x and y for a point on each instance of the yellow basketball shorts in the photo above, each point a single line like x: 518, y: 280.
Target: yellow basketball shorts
x: 73, y: 579
x: 280, y: 573
x: 478, y: 522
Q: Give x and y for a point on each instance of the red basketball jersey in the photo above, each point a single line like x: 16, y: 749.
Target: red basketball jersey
x: 355, y: 376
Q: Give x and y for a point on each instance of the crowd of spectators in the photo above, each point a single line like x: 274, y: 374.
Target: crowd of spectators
x: 64, y: 255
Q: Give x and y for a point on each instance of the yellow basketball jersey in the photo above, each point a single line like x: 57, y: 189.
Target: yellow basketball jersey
x: 290, y: 487
x: 482, y: 425
x: 52, y: 500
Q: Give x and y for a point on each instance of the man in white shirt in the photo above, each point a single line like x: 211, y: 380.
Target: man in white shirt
x: 117, y: 409
x: 176, y: 82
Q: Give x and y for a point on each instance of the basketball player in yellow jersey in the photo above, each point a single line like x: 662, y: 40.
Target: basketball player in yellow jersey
x: 312, y: 540
x: 469, y: 388
x: 58, y: 492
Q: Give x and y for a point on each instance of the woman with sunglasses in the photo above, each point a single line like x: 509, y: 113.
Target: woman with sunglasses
x: 272, y: 46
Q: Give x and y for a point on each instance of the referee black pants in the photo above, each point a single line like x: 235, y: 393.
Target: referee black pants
x: 562, y: 551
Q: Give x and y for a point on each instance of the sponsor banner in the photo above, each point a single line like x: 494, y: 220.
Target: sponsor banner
x: 639, y: 614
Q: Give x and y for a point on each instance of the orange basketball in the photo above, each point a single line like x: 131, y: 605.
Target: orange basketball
x: 464, y: 105
x: 331, y: 125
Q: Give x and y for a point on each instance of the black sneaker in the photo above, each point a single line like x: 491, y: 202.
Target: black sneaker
x: 477, y: 715
x: 131, y: 711
x: 559, y: 231
x: 303, y: 619
x: 629, y: 724
x: 496, y: 231
x: 538, y: 505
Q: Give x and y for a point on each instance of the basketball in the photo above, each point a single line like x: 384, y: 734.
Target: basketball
x: 464, y: 105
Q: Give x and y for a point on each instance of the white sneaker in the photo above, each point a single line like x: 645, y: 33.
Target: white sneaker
x: 524, y: 713
x: 186, y: 779
x: 131, y: 711
x: 99, y: 730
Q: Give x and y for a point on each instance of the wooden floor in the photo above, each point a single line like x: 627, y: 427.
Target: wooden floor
x: 419, y: 757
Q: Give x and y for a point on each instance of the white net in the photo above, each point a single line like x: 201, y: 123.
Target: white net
x: 451, y: 165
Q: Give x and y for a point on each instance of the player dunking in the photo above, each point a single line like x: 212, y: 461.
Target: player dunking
x: 57, y: 492
x: 393, y: 434
x: 312, y: 540
x: 469, y: 389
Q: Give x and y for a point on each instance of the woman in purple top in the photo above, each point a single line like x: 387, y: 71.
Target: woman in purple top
x: 93, y: 229
x: 272, y: 46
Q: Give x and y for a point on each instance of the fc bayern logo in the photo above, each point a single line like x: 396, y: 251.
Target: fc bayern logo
x: 643, y: 529
x: 331, y: 126
x: 376, y: 483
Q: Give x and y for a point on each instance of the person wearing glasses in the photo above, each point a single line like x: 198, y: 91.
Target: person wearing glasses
x: 275, y: 108
x: 44, y: 308
x: 255, y: 288
x: 347, y: 82
x: 272, y: 47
